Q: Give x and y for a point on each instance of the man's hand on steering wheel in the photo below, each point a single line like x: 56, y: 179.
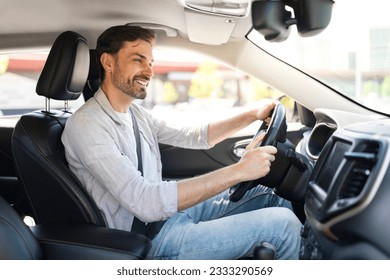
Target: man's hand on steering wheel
x: 264, y: 113
x: 256, y: 161
x: 275, y: 131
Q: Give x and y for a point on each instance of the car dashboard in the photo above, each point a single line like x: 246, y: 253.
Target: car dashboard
x: 347, y: 198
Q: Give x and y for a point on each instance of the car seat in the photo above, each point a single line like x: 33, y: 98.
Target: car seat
x: 94, y: 77
x: 55, y: 194
x: 65, y: 241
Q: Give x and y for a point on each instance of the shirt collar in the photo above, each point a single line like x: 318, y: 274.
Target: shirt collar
x: 102, y: 99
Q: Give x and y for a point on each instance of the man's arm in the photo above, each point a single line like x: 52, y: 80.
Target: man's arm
x: 254, y: 164
x: 220, y: 130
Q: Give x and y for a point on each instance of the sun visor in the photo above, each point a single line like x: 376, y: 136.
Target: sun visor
x: 231, y: 8
x: 218, y: 32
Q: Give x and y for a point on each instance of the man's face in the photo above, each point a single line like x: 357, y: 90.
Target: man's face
x: 133, y: 68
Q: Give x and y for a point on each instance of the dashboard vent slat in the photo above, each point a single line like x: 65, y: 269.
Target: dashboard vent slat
x: 362, y: 162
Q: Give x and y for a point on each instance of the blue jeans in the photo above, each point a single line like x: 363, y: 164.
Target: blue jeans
x: 220, y: 229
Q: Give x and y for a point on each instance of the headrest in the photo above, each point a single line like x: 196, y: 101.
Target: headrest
x: 94, y: 67
x: 66, y: 69
x: 94, y: 79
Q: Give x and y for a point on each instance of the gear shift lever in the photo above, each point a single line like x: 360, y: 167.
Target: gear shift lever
x: 266, y: 251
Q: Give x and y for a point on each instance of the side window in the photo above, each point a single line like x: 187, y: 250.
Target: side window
x: 189, y: 87
x: 185, y: 88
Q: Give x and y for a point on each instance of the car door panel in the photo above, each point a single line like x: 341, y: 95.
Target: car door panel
x: 183, y: 163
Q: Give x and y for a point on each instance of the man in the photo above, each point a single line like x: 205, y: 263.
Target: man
x: 200, y: 222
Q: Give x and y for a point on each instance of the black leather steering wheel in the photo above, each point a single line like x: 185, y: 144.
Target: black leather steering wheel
x: 274, y: 132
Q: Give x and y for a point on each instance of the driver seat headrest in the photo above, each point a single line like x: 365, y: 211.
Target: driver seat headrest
x: 94, y: 76
x: 66, y: 69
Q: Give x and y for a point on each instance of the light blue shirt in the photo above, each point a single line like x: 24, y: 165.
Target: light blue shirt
x: 101, y: 152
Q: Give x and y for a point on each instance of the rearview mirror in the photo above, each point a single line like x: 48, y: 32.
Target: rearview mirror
x: 273, y: 18
x: 312, y: 16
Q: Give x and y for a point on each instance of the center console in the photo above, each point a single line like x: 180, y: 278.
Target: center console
x: 347, y: 201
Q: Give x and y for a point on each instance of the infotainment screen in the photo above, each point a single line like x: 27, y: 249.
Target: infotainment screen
x: 331, y: 164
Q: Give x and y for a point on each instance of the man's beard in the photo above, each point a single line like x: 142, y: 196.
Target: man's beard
x: 129, y: 87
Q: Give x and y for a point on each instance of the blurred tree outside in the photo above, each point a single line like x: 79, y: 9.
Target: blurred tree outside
x: 4, y: 61
x: 206, y: 81
x: 260, y: 90
x: 370, y: 87
x: 170, y: 94
x: 385, y: 87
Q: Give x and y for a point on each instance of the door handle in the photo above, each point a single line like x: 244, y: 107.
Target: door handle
x: 239, y: 147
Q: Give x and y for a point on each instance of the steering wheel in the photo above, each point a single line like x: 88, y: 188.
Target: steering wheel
x: 274, y: 132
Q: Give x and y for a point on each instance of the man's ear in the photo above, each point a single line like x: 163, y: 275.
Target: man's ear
x: 107, y: 62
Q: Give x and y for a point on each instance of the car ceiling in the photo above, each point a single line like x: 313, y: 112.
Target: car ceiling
x: 42, y: 20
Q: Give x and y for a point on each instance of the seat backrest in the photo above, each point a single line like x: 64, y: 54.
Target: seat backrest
x: 16, y: 241
x: 94, y: 77
x: 55, y: 194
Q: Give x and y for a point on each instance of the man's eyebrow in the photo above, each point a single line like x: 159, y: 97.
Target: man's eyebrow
x: 141, y: 56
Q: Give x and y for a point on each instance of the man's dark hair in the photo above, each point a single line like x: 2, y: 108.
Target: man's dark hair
x: 112, y: 40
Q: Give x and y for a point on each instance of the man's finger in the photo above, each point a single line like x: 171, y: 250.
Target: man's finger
x: 257, y: 140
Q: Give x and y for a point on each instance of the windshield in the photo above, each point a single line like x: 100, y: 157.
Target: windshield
x: 352, y: 55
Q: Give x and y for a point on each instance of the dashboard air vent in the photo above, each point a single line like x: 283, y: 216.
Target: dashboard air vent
x: 362, y: 161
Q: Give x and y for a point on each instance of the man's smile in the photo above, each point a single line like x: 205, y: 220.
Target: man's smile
x: 142, y: 82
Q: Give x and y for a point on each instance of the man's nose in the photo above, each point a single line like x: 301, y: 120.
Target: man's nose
x: 149, y: 71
